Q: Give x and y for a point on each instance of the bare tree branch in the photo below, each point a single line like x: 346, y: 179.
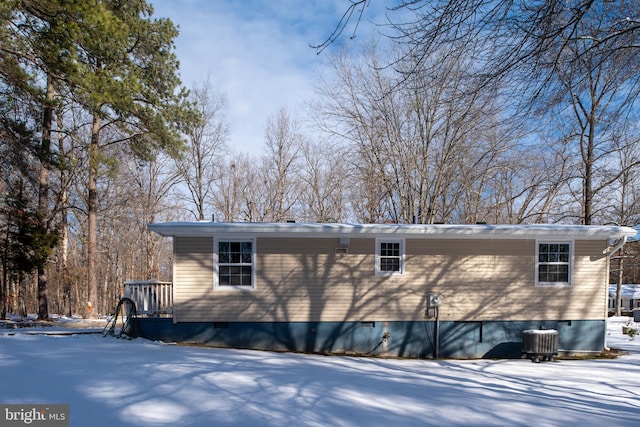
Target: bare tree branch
x: 342, y: 24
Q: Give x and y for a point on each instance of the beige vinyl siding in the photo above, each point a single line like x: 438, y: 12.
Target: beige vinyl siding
x: 192, y: 276
x: 302, y: 279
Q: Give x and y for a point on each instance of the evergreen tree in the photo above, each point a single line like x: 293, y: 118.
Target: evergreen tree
x: 112, y: 58
x: 129, y: 82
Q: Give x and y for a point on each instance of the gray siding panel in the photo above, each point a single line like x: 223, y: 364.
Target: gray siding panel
x: 491, y: 339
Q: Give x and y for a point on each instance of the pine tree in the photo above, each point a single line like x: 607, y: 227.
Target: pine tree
x: 112, y: 58
x: 128, y: 80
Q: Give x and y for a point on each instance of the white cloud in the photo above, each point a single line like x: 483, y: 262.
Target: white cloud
x: 256, y: 53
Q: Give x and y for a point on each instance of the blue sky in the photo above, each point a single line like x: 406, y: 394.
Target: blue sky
x: 256, y: 53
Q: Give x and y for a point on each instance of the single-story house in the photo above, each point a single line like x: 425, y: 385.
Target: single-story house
x: 406, y: 290
x: 630, y: 297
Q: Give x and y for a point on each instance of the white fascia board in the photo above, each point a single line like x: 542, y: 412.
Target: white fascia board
x: 414, y: 231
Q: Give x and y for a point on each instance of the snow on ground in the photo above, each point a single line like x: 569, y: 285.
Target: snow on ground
x: 118, y: 382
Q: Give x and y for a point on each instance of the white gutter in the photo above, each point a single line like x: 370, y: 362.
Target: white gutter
x: 416, y: 231
x: 609, y: 251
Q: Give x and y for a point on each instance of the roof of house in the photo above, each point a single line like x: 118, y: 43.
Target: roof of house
x: 425, y: 231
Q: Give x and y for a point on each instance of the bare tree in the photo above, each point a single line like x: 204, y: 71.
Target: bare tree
x: 575, y: 60
x: 151, y: 184
x: 133, y: 193
x: 202, y: 165
x: 241, y: 191
x: 418, y: 148
x: 529, y: 183
x: 227, y: 199
x: 623, y: 202
x: 528, y: 38
x: 241, y: 194
x: 283, y: 150
x: 326, y: 180
x: 595, y: 95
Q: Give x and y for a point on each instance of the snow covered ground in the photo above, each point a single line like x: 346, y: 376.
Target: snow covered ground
x: 117, y: 382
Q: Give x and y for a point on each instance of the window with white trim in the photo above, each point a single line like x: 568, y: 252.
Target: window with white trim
x: 553, y: 263
x: 234, y: 264
x: 389, y: 257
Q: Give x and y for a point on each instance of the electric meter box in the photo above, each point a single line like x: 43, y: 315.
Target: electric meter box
x: 434, y: 300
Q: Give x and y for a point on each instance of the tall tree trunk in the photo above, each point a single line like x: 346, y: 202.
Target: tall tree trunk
x: 150, y: 271
x: 588, y: 158
x: 92, y: 207
x: 4, y: 285
x: 588, y: 181
x: 64, y: 228
x: 43, y: 196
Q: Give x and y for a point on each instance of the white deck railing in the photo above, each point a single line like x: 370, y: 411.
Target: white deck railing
x: 152, y: 297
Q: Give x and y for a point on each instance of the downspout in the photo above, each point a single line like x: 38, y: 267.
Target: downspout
x: 436, y: 348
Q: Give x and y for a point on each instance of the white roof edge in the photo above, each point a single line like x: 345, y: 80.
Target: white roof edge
x: 328, y: 230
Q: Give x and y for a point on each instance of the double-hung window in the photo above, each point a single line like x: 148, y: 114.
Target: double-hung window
x: 234, y: 264
x: 389, y: 257
x: 553, y: 263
